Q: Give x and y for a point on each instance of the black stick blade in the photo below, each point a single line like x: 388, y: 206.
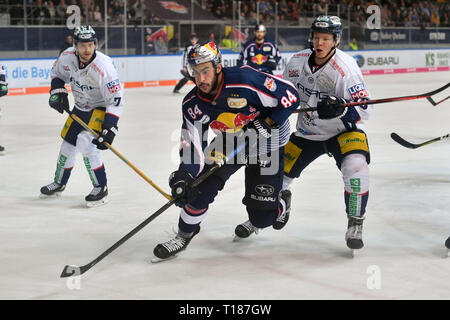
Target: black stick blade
x: 402, y: 141
x: 70, y: 271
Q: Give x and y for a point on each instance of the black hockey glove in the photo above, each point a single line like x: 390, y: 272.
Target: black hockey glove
x: 271, y: 63
x: 180, y: 182
x: 260, y: 126
x: 262, y: 144
x: 107, y: 135
x: 58, y: 99
x: 3, y: 86
x: 331, y: 107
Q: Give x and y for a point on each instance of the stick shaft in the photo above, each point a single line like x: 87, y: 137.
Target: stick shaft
x: 385, y: 100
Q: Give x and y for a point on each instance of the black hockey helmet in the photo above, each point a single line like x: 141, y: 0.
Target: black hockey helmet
x: 326, y: 24
x: 84, y: 34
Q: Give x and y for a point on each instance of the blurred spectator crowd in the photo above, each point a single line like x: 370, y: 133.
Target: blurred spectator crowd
x: 54, y: 12
x: 396, y: 13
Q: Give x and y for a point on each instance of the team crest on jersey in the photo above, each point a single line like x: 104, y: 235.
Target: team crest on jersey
x: 293, y: 73
x: 236, y: 103
x: 358, y: 91
x: 270, y: 84
x: 113, y: 86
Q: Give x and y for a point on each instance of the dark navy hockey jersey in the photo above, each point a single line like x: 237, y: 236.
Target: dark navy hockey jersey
x: 256, y: 56
x: 243, y: 95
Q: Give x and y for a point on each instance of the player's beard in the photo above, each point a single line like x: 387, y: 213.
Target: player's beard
x: 214, y: 86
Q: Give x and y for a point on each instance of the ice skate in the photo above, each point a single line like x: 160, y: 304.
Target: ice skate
x: 244, y: 230
x: 169, y: 249
x: 97, y: 197
x: 353, y: 237
x: 283, y: 218
x: 2, y: 150
x: 53, y: 189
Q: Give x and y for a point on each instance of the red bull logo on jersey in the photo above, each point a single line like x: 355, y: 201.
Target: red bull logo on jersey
x: 231, y: 122
x: 270, y: 84
x: 358, y: 91
x: 259, y: 59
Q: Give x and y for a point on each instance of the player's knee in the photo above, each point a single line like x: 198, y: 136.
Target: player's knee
x: 354, y: 164
x: 84, y: 143
x: 67, y: 149
x: 355, y: 173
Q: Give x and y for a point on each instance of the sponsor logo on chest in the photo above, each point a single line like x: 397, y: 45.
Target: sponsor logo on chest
x: 236, y: 103
x: 358, y: 91
x: 293, y: 73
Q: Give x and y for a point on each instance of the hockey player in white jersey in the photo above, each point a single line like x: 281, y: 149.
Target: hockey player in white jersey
x: 3, y: 91
x: 327, y: 77
x: 98, y: 96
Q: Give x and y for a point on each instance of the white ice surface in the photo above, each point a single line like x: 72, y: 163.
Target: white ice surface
x: 404, y: 233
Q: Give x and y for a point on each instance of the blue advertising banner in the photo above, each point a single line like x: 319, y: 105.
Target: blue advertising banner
x: 406, y: 36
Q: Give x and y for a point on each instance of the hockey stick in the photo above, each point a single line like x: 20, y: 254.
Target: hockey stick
x: 139, y: 172
x: 76, y: 271
x: 410, y: 145
x: 386, y: 100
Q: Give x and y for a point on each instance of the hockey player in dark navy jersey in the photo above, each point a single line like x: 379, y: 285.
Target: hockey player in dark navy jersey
x: 260, y: 53
x: 232, y: 102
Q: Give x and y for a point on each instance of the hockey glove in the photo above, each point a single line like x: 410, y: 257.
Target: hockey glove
x: 331, y: 107
x: 180, y: 182
x: 3, y: 86
x: 262, y: 144
x: 271, y: 63
x: 107, y: 135
x: 58, y: 100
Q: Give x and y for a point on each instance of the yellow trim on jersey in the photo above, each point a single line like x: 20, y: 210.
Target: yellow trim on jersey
x: 354, y: 140
x: 291, y: 154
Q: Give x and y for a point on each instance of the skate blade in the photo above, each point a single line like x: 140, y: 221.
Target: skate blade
x: 158, y: 260
x: 93, y: 204
x: 47, y: 196
x: 448, y: 253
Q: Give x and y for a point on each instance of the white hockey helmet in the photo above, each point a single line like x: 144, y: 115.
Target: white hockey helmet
x: 202, y: 53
